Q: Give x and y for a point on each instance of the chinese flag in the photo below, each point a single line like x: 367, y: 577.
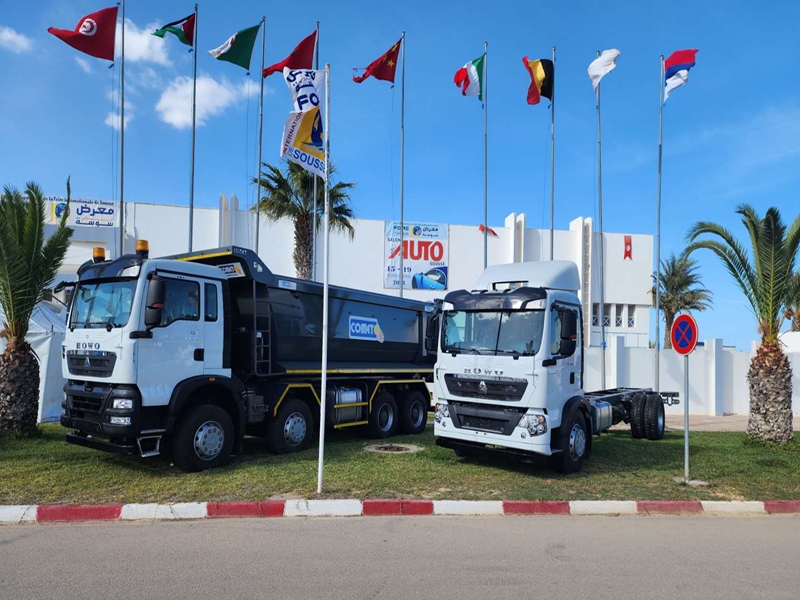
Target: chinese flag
x: 301, y: 57
x: 94, y: 34
x: 382, y: 68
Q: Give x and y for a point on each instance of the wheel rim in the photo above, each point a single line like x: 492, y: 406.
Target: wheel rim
x: 661, y: 419
x: 577, y: 442
x: 294, y: 429
x: 209, y: 440
x: 385, y: 417
x: 417, y: 414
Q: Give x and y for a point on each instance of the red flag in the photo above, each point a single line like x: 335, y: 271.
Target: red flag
x: 628, y: 248
x: 301, y: 57
x: 94, y: 34
x: 489, y: 229
x: 382, y: 68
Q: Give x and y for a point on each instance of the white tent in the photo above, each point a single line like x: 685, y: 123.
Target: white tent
x: 46, y: 335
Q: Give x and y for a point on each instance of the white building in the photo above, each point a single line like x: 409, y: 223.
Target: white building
x: 360, y: 263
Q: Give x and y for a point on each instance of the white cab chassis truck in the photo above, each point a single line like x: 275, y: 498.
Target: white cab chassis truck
x: 187, y: 354
x: 510, y: 371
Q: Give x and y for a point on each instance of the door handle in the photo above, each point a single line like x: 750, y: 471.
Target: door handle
x: 572, y: 378
x: 199, y: 354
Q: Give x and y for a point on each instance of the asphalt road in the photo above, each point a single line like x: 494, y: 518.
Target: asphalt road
x: 406, y: 557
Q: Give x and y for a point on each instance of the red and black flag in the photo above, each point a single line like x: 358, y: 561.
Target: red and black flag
x: 94, y: 34
x: 542, y: 79
x: 383, y: 67
x: 183, y: 29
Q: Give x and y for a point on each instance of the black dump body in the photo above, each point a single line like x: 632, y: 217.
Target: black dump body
x: 368, y: 331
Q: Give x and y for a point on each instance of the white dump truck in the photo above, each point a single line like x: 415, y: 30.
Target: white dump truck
x: 510, y: 370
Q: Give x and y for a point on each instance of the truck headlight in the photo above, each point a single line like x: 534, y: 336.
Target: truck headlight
x: 120, y: 420
x: 535, y: 424
x: 122, y: 404
x: 442, y: 412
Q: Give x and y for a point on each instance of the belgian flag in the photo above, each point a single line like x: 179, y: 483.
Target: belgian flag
x: 542, y: 79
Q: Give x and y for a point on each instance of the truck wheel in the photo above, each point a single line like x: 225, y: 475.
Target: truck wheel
x: 637, y: 415
x: 414, y: 413
x: 383, y: 421
x: 572, y: 443
x: 203, y: 439
x: 654, y: 417
x: 292, y: 429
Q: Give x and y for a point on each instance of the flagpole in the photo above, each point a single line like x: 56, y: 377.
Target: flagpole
x: 260, y: 129
x: 402, y: 161
x: 122, y: 141
x: 314, y: 190
x: 658, y: 228
x: 602, y: 259
x: 485, y: 154
x: 325, y: 251
x: 194, y: 111
x: 552, y: 155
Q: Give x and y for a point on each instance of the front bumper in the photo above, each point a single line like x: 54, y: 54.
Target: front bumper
x: 88, y: 410
x: 518, y: 440
x: 86, y: 441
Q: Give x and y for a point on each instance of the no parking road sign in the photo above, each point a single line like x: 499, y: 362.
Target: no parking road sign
x: 684, y: 334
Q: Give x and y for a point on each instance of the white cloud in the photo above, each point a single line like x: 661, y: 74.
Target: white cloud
x: 141, y: 45
x: 83, y: 64
x: 213, y: 98
x: 147, y: 78
x: 113, y: 120
x: 16, y: 42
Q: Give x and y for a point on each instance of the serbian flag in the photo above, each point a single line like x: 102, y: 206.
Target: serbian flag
x: 93, y: 35
x: 383, y: 67
x: 301, y: 57
x: 676, y: 70
x: 542, y: 79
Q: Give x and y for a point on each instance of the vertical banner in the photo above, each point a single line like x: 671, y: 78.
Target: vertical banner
x: 425, y: 254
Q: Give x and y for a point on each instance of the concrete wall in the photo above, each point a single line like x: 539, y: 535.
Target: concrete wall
x: 717, y: 375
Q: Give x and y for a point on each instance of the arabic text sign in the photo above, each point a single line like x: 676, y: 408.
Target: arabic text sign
x: 82, y: 212
x: 425, y: 256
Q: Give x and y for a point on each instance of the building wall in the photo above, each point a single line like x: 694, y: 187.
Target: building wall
x: 359, y: 262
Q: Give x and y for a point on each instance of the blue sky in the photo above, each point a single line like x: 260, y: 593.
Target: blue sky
x: 731, y: 135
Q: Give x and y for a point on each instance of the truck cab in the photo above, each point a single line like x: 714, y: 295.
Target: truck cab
x: 510, y: 369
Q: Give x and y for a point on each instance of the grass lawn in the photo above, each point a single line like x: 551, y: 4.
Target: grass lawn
x: 48, y: 470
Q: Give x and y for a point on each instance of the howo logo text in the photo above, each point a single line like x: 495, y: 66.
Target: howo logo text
x: 420, y: 250
x: 87, y: 346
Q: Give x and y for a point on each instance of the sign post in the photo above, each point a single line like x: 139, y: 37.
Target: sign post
x: 684, y: 339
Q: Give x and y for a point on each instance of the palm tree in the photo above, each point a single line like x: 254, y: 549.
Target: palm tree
x: 289, y: 194
x: 28, y: 266
x: 763, y: 273
x: 793, y: 302
x: 679, y: 290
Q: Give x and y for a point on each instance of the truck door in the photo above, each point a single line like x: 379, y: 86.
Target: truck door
x: 214, y: 328
x: 564, y: 376
x: 175, y: 352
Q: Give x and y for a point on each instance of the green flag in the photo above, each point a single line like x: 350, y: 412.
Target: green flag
x: 239, y: 47
x: 183, y: 29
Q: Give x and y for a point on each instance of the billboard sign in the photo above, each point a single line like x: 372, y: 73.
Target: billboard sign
x: 83, y: 212
x: 425, y: 256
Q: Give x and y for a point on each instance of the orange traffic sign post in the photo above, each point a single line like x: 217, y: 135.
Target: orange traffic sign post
x: 684, y: 335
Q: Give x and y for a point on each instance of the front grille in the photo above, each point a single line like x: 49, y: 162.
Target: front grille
x: 83, y: 404
x: 483, y: 417
x: 91, y: 364
x: 490, y: 388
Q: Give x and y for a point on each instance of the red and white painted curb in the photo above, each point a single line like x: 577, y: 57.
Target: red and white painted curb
x: 357, y: 508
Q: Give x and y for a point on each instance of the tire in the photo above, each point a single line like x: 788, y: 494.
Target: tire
x: 637, y: 415
x: 414, y: 413
x: 654, y: 417
x: 203, y: 439
x: 292, y: 429
x: 573, y: 444
x: 384, y: 418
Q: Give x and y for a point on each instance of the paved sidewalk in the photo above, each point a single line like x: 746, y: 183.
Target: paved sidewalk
x: 702, y: 423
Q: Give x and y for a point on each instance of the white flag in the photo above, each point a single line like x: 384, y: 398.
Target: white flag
x: 602, y: 65
x: 680, y: 78
x: 306, y: 87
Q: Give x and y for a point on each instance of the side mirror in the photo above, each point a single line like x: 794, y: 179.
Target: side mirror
x: 567, y: 347
x: 569, y: 333
x: 154, y: 307
x: 432, y: 333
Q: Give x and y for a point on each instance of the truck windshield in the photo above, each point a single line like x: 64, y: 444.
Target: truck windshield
x: 517, y: 332
x: 102, y: 304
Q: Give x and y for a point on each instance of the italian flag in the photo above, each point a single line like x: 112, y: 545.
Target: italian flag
x: 470, y: 78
